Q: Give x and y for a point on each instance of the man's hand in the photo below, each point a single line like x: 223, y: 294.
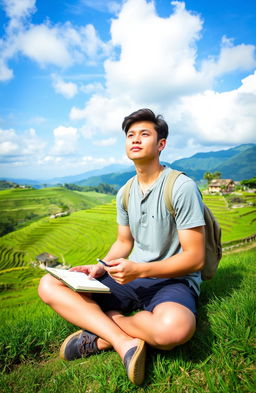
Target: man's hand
x: 122, y: 270
x: 93, y: 271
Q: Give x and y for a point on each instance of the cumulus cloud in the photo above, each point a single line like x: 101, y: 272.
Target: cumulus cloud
x: 18, y: 8
x: 67, y: 89
x: 65, y: 140
x: 15, y: 147
x: 227, y: 117
x: 62, y: 45
x: 231, y: 58
x: 157, y: 68
x: 44, y: 45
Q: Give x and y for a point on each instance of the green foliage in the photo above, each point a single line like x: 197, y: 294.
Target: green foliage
x: 103, y: 188
x: 250, y: 183
x: 209, y: 176
x: 4, y: 184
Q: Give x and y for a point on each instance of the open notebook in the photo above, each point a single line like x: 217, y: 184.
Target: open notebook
x: 78, y: 281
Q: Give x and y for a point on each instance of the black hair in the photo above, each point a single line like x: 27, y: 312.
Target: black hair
x: 145, y: 114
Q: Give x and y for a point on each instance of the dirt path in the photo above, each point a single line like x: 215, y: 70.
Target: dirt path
x: 240, y: 248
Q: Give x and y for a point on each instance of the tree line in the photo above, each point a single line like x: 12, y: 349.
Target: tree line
x: 103, y: 188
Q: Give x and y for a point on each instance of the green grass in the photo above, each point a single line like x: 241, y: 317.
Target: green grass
x: 219, y: 358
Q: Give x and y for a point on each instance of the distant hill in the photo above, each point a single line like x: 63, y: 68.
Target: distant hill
x: 82, y: 176
x: 115, y: 179
x: 241, y: 166
x: 237, y: 163
x: 214, y: 159
x: 69, y: 179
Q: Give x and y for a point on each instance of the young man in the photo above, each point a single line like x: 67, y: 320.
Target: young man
x: 154, y: 265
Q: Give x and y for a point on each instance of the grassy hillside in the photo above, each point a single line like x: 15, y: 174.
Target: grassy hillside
x: 18, y: 207
x: 219, y: 358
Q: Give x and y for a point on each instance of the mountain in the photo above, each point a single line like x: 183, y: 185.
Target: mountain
x: 115, y: 179
x: 82, y: 176
x: 210, y: 160
x: 239, y: 167
x: 69, y: 179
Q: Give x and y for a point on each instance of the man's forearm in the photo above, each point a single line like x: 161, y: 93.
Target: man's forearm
x: 118, y: 250
x: 175, y: 266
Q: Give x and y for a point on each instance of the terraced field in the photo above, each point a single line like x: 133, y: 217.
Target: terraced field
x: 87, y: 234
x: 236, y: 223
x: 18, y: 207
x: 79, y: 238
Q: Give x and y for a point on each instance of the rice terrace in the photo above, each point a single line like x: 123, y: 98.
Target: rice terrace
x: 219, y: 358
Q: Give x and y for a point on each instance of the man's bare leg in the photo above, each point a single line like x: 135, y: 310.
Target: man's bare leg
x: 168, y: 325
x: 82, y: 311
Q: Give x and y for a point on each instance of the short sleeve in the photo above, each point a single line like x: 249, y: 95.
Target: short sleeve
x: 122, y: 215
x: 187, y: 203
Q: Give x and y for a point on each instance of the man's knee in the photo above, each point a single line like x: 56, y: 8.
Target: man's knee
x: 174, y: 329
x: 46, y: 288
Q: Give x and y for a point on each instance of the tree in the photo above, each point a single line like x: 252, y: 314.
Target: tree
x: 250, y: 183
x: 209, y: 176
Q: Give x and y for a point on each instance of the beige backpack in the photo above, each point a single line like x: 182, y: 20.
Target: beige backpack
x: 213, y: 249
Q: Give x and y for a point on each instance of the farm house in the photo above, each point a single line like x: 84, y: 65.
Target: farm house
x: 46, y: 259
x: 221, y: 185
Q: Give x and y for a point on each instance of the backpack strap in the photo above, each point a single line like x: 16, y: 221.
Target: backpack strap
x: 126, y: 192
x: 168, y: 187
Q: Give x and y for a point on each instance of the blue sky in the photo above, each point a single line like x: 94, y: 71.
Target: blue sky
x: 71, y: 70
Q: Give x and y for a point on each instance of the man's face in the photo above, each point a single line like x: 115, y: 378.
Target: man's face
x: 142, y: 143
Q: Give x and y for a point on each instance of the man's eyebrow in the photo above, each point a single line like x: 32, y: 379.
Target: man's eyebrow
x: 142, y: 130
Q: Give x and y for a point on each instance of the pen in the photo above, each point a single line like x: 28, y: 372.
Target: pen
x: 101, y: 261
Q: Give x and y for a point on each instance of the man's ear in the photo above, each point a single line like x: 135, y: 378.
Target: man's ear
x: 161, y: 144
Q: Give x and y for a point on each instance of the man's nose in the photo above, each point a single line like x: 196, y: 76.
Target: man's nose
x: 136, y: 139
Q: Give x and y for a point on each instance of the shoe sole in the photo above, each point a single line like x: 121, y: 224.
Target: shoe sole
x: 136, y: 370
x: 64, y: 344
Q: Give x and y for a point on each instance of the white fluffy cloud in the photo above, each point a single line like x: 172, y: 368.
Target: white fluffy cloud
x: 67, y: 89
x: 227, y: 117
x: 231, y: 58
x: 18, y: 8
x: 65, y: 140
x: 157, y: 68
x: 62, y: 45
x: 15, y: 147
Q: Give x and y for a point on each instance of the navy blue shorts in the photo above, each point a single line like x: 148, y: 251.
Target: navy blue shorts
x: 145, y: 294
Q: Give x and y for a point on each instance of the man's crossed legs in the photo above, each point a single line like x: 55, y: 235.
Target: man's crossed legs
x: 167, y: 318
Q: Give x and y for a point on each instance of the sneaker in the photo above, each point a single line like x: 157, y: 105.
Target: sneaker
x: 134, y: 363
x: 78, y: 345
